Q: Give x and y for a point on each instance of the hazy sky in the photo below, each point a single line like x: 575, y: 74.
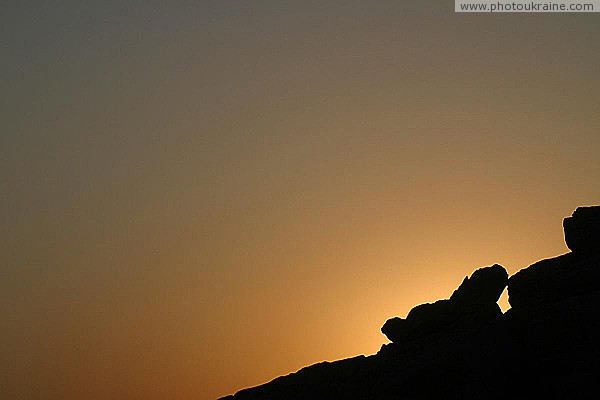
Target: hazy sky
x: 199, y: 196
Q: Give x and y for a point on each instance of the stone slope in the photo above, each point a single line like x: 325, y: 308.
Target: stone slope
x: 547, y: 346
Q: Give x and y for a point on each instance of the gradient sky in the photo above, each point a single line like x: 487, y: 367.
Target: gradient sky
x: 199, y: 196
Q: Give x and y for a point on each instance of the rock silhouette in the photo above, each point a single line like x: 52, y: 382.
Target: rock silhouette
x: 545, y: 346
x: 484, y: 287
x: 475, y: 301
x: 582, y: 230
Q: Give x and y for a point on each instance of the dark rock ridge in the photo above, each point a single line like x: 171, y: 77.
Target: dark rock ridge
x: 474, y: 302
x: 546, y: 346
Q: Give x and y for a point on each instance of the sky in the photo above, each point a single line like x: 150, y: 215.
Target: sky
x: 200, y: 196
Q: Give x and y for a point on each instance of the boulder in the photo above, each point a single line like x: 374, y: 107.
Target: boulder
x: 395, y: 329
x: 422, y: 320
x: 554, y: 279
x: 485, y: 286
x: 582, y: 231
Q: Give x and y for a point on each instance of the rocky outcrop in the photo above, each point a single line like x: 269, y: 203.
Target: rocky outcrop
x: 475, y: 301
x: 484, y: 287
x: 553, y: 325
x: 553, y: 280
x: 582, y: 231
x: 544, y: 347
x: 569, y: 275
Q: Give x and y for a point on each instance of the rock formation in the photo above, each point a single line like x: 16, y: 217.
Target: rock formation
x: 582, y: 231
x: 475, y: 301
x: 544, y: 347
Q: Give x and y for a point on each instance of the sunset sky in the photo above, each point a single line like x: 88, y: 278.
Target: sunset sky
x: 200, y: 196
